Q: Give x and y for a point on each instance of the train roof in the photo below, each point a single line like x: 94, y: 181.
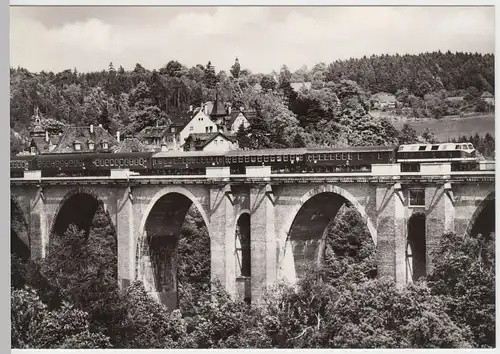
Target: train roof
x: 22, y: 157
x: 263, y: 152
x: 436, y: 147
x: 173, y: 153
x: 352, y: 149
x: 83, y: 155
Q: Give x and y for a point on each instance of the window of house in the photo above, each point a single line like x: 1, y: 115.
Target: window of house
x: 211, y: 129
x: 78, y: 147
x: 33, y: 150
x: 105, y: 146
x: 191, y: 128
x: 91, y: 146
x: 417, y: 197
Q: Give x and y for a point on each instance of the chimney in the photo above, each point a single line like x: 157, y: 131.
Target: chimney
x: 163, y: 147
x: 205, y: 109
x: 229, y: 110
x: 190, y: 108
x: 118, y: 136
x: 100, y: 125
x: 46, y: 136
x: 242, y: 109
x: 92, y: 129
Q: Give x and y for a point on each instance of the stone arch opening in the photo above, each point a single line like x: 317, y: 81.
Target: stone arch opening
x: 416, y: 248
x: 19, y: 234
x: 305, y: 238
x: 243, y: 257
x: 483, y: 219
x: 158, y: 247
x: 78, y: 207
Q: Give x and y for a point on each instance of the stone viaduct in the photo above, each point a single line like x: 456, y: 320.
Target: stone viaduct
x: 287, y: 216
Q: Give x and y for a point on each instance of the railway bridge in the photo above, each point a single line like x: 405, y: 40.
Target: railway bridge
x: 285, y: 216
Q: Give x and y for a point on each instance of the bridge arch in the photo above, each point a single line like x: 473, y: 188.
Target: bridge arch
x: 20, y: 243
x: 157, y: 242
x: 483, y: 219
x: 77, y: 207
x: 321, y: 202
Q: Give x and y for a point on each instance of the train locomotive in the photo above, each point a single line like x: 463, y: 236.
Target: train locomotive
x: 462, y: 157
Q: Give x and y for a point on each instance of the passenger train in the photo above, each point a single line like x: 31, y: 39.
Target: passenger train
x: 462, y: 157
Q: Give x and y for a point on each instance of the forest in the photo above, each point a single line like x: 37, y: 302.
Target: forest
x: 70, y: 298
x: 334, y: 111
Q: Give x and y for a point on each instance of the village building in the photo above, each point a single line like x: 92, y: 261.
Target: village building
x: 383, y: 101
x: 214, y: 142
x: 488, y: 98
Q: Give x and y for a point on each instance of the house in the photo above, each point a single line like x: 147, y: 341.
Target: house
x: 194, y: 122
x: 132, y: 144
x: 215, y: 142
x: 228, y: 121
x: 488, y: 98
x: 41, y: 141
x: 297, y: 86
x: 86, y: 139
x: 383, y: 101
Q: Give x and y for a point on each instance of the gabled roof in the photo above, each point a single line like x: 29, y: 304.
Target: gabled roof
x: 219, y: 109
x: 384, y: 97
x: 40, y: 144
x: 83, y: 135
x: 203, y: 139
x: 232, y: 117
x: 131, y: 145
x: 153, y: 132
x: 487, y: 94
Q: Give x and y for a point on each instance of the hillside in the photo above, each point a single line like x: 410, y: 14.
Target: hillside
x: 451, y: 127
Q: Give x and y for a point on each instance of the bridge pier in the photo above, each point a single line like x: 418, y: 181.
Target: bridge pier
x: 126, y: 224
x: 440, y: 214
x: 222, y: 237
x: 391, y: 233
x: 38, y: 225
x: 263, y: 240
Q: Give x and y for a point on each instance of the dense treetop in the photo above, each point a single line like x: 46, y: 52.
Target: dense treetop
x: 338, y: 99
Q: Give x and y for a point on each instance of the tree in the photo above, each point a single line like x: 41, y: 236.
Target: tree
x: 210, y: 78
x: 268, y: 83
x: 408, y: 135
x: 464, y: 276
x: 235, y: 69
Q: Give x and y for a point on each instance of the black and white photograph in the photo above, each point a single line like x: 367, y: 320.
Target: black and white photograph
x: 248, y: 177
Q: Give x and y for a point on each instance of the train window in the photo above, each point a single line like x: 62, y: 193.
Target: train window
x: 240, y: 159
x: 344, y: 156
x: 315, y: 157
x: 228, y: 160
x: 337, y: 156
x: 285, y: 158
x: 266, y: 158
x: 273, y: 158
x: 259, y: 158
x: 422, y: 148
x: 111, y: 162
x: 141, y: 161
x: 252, y: 158
x: 121, y: 162
x: 435, y: 147
x: 360, y: 156
x: 471, y: 147
x: 327, y: 156
x: 235, y: 159
x: 247, y: 158
x: 379, y: 156
x: 320, y: 157
x: 349, y: 156
x: 464, y: 146
x: 457, y: 147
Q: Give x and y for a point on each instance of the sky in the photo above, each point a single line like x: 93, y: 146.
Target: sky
x: 263, y: 38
